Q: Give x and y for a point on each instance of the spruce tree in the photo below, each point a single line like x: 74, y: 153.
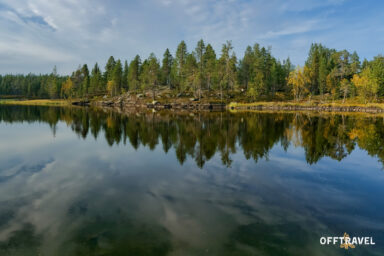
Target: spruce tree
x: 109, y: 67
x: 134, y: 73
x: 124, y: 79
x: 166, y: 68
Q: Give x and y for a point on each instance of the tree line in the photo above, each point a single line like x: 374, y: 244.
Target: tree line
x: 327, y: 73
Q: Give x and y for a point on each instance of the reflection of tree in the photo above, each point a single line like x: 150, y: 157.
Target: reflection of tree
x: 203, y: 135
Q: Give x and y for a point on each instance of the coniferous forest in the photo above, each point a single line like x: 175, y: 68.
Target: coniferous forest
x: 327, y: 73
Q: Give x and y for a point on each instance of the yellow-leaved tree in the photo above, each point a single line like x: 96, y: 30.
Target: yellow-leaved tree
x: 111, y: 87
x: 67, y: 88
x: 298, y: 81
x: 366, y: 85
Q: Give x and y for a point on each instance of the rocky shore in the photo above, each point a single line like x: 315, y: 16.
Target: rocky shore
x: 141, y: 101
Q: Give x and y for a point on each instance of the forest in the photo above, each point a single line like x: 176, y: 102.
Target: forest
x: 327, y: 74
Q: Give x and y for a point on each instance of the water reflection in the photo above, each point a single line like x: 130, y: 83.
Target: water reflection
x: 200, y: 136
x: 182, y: 184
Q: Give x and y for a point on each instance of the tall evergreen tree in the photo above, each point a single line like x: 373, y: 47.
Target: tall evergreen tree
x: 117, y: 78
x: 179, y: 65
x: 150, y: 74
x: 86, y: 81
x: 191, y: 74
x: 134, y: 73
x: 109, y: 67
x: 166, y: 68
x: 201, y: 63
x: 211, y: 66
x: 124, y: 79
x: 245, y: 67
x: 227, y: 68
x: 96, y: 80
x: 53, y: 89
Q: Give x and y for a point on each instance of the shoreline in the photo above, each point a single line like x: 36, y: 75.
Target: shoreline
x: 196, y: 106
x: 328, y: 108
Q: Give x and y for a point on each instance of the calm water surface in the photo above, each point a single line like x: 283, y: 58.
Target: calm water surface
x: 76, y: 181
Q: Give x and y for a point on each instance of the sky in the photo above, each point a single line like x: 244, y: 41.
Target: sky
x: 35, y: 35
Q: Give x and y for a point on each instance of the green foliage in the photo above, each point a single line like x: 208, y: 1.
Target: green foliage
x: 178, y: 67
x: 97, y: 84
x: 210, y: 67
x: 86, y: 81
x: 327, y: 72
x: 134, y: 73
x: 116, y: 79
x: 109, y: 67
x: 227, y: 68
x: 150, y: 74
x: 124, y: 79
x: 166, y: 68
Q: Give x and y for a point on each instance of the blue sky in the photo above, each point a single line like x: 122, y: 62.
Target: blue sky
x: 35, y: 35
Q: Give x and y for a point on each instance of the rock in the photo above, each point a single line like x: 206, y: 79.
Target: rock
x: 81, y: 103
x: 139, y: 95
x: 107, y: 103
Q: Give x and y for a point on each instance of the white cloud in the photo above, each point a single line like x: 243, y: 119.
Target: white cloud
x: 311, y: 25
x: 69, y: 32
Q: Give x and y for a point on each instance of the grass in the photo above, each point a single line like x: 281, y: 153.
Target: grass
x: 41, y: 102
x: 306, y: 104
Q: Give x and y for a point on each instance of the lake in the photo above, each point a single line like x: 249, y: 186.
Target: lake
x: 80, y: 181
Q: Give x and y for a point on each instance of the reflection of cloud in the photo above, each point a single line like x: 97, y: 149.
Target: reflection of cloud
x: 91, y: 183
x: 5, y: 175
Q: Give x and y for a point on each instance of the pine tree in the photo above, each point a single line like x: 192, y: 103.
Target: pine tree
x: 134, y: 73
x: 96, y: 80
x: 117, y: 78
x: 86, y: 82
x: 201, y: 63
x: 245, y: 67
x: 150, y: 74
x: 210, y: 66
x: 179, y: 65
x: 109, y: 67
x: 191, y: 77
x: 227, y: 68
x: 124, y: 79
x: 52, y: 84
x: 166, y: 68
